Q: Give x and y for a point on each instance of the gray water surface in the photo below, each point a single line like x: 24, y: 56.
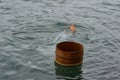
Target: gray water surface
x: 28, y: 26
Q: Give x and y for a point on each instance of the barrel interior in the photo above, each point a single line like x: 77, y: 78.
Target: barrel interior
x: 70, y: 46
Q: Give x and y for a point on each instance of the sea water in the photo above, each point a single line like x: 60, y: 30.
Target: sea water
x: 30, y: 30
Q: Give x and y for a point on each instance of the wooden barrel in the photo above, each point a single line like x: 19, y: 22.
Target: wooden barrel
x: 69, y: 53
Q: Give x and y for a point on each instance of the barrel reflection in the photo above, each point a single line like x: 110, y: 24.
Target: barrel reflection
x: 68, y: 72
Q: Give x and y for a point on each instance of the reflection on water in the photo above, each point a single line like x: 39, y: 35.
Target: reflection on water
x: 68, y: 72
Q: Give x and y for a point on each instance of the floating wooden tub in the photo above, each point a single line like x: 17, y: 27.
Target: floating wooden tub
x: 69, y: 53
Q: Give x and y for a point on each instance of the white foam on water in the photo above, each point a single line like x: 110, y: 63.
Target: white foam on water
x: 63, y: 36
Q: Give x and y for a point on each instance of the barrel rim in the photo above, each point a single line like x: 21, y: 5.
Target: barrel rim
x: 70, y: 51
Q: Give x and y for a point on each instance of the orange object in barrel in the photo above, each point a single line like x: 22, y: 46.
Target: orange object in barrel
x: 72, y: 28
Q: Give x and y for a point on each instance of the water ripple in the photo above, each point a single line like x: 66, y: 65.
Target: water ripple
x: 27, y: 27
